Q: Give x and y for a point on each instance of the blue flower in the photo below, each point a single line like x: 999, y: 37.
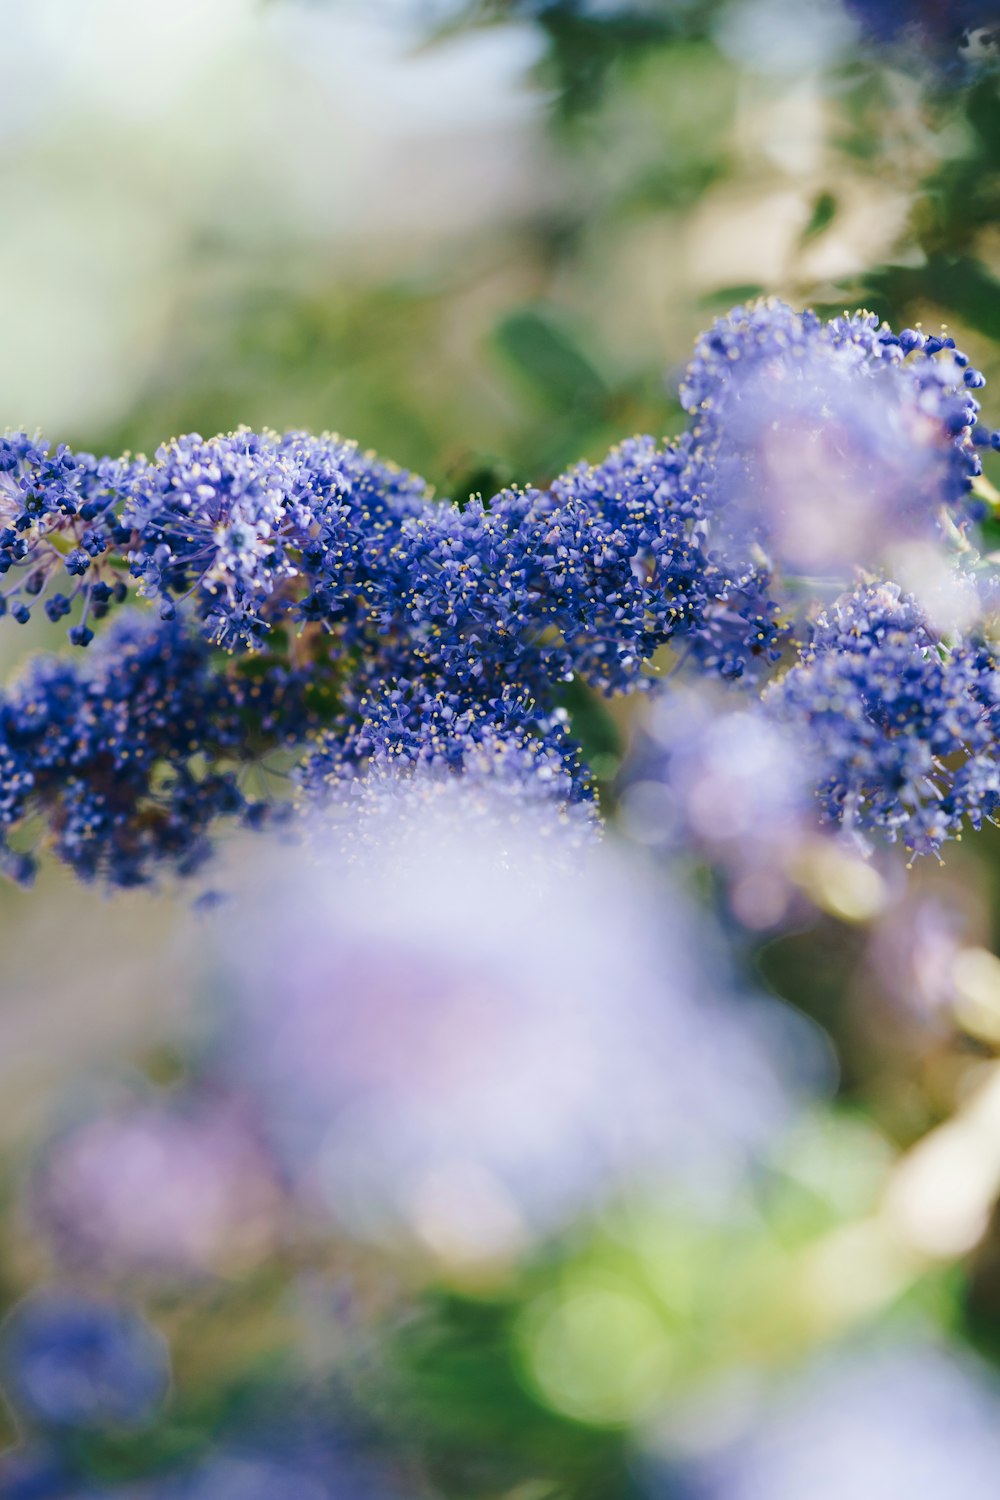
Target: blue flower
x: 424, y: 637
x: 258, y: 527
x: 825, y: 444
x: 73, y: 1362
x: 44, y: 1473
x: 944, y: 33
x: 59, y: 513
x: 408, y: 748
x: 131, y: 758
x: 287, y: 1454
x: 901, y: 728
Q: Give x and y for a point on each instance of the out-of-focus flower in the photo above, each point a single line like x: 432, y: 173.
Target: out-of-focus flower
x: 366, y: 782
x: 248, y: 1476
x: 486, y: 1035
x: 74, y: 1362
x: 174, y: 1188
x: 932, y: 31
x: 827, y: 443
x: 916, y: 1420
x: 40, y: 1473
x: 913, y: 952
x: 726, y: 784
x: 295, y: 1458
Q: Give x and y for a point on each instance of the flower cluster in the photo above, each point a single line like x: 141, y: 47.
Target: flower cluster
x: 312, y: 596
x: 406, y: 749
x: 131, y: 756
x: 466, y: 1026
x: 902, y: 728
x: 235, y: 521
x: 61, y: 532
x: 826, y: 443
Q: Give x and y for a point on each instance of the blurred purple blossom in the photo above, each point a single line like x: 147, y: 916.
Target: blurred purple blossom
x: 826, y: 444
x: 179, y: 1187
x: 479, y: 1036
x: 914, y: 1421
x: 718, y: 780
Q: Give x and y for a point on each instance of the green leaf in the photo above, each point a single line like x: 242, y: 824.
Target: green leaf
x: 545, y: 356
x: 824, y: 211
x: 729, y: 296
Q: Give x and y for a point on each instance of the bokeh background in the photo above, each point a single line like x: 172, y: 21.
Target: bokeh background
x: 480, y: 238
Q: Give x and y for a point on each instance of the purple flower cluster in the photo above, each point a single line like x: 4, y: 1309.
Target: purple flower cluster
x: 131, y: 756
x: 407, y: 749
x: 825, y: 443
x: 170, y: 1187
x: 901, y: 727
x: 312, y: 596
x: 257, y: 528
x: 588, y: 577
x: 61, y: 532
